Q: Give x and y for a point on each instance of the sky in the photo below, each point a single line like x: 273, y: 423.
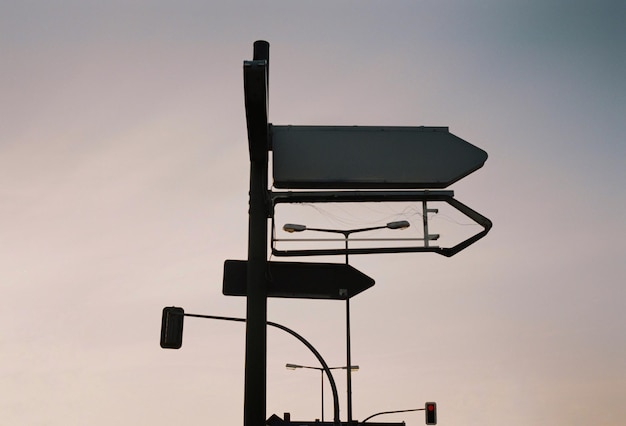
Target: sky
x: 123, y: 189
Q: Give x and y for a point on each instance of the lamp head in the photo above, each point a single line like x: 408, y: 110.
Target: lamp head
x: 401, y: 224
x: 292, y: 366
x: 292, y: 227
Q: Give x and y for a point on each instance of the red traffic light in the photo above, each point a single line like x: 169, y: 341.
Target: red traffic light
x: 431, y: 413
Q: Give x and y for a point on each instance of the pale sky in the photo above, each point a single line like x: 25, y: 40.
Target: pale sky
x: 124, y: 182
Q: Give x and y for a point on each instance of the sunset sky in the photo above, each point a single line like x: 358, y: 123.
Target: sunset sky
x: 124, y: 174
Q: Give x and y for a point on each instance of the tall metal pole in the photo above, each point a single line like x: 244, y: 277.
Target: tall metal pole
x: 322, y: 374
x: 348, y: 349
x: 255, y: 88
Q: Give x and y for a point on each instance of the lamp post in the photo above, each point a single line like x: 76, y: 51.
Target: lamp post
x: 321, y: 370
x: 401, y: 224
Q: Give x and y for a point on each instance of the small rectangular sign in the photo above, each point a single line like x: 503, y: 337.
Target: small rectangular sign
x: 300, y: 280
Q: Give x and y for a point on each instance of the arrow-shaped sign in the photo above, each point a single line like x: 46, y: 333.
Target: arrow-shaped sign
x: 357, y: 157
x: 380, y: 196
x: 300, y: 280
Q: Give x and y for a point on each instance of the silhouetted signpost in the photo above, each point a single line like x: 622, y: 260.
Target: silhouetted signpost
x: 328, y: 157
x: 255, y: 74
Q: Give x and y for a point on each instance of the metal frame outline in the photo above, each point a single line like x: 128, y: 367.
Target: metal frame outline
x: 377, y: 196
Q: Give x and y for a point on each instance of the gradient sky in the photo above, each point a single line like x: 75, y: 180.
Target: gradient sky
x: 123, y: 188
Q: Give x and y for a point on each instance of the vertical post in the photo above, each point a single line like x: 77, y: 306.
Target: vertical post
x: 256, y: 307
x: 425, y: 222
x: 322, y: 374
x: 348, y: 345
x: 255, y: 88
x: 348, y: 360
x: 425, y: 211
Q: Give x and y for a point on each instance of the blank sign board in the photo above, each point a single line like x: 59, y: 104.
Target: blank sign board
x: 358, y: 157
x: 303, y: 280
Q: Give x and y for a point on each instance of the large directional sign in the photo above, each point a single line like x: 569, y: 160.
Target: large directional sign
x: 302, y: 280
x: 357, y: 157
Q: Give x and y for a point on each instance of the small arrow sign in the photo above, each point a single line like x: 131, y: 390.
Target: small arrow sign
x: 360, y: 157
x: 302, y: 280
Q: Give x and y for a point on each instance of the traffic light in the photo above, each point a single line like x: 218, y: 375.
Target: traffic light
x: 431, y: 413
x: 172, y: 327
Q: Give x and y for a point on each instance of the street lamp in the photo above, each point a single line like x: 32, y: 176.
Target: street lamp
x: 291, y: 227
x: 321, y: 370
x: 400, y: 224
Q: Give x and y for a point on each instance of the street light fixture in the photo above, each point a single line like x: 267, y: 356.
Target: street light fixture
x: 321, y: 370
x: 291, y: 227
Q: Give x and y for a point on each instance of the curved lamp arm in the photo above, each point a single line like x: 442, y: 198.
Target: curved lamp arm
x: 331, y: 380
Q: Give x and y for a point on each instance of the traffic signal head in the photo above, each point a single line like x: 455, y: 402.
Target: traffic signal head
x: 172, y: 327
x: 431, y: 413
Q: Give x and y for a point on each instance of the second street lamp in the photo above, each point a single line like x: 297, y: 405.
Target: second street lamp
x: 401, y: 224
x: 292, y: 227
x: 321, y: 370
